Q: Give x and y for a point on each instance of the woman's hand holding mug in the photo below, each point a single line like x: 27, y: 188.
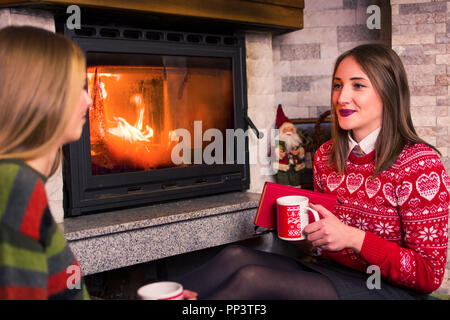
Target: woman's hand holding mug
x: 332, y: 234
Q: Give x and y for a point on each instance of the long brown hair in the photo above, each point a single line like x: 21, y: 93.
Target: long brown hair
x: 387, y: 74
x: 41, y: 78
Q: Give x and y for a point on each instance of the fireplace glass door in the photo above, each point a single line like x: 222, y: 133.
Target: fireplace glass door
x: 138, y: 110
x: 160, y: 122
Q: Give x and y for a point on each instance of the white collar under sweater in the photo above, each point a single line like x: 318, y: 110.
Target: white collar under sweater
x: 367, y: 144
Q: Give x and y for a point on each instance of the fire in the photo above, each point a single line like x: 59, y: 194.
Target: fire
x: 136, y: 111
x: 129, y: 132
x: 132, y: 133
x: 126, y: 130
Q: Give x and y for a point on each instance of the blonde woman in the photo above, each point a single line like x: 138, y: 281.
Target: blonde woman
x: 43, y: 105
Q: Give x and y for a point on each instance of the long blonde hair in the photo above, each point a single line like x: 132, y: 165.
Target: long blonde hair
x: 42, y: 75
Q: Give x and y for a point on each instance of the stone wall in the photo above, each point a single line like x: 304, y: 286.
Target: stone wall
x: 421, y: 36
x: 27, y: 17
x: 261, y: 104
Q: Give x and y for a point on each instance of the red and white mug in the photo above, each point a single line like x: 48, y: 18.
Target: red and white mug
x: 162, y: 290
x: 292, y: 217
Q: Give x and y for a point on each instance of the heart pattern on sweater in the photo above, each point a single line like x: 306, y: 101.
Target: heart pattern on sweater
x: 360, y: 194
x: 341, y: 191
x: 354, y: 182
x: 446, y: 180
x: 414, y: 202
x: 334, y: 180
x: 372, y: 187
x: 388, y: 191
x: 403, y: 192
x: 379, y: 200
x: 428, y: 185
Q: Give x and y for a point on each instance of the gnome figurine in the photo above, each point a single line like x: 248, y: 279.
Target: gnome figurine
x: 291, y: 152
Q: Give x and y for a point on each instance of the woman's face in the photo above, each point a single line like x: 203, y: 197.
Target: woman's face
x: 75, y: 125
x: 358, y: 106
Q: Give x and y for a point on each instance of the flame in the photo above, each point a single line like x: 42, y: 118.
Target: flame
x: 136, y: 110
x: 132, y: 133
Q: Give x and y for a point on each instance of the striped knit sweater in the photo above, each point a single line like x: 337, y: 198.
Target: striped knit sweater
x: 403, y: 211
x: 35, y: 260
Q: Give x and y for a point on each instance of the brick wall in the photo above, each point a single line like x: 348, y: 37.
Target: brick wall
x: 28, y: 17
x: 421, y: 36
x: 261, y: 103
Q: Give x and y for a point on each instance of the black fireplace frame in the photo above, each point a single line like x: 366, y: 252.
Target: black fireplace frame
x: 85, y: 193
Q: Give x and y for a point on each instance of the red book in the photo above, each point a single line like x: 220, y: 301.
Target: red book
x: 266, y: 216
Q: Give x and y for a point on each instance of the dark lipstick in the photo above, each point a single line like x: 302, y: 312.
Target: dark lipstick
x: 346, y: 112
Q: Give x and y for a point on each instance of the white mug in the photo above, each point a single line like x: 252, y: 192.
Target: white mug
x: 162, y: 290
x: 292, y: 217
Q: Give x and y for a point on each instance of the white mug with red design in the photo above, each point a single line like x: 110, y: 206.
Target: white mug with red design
x: 292, y: 217
x: 162, y: 290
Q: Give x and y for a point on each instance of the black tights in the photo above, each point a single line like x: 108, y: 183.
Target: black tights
x: 240, y: 273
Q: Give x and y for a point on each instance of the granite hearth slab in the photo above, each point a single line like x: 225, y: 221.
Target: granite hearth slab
x: 111, y: 240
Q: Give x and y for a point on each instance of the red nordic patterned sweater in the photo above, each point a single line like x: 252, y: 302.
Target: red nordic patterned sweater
x: 404, y: 212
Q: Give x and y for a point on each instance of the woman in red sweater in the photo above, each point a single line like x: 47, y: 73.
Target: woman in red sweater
x: 394, y: 202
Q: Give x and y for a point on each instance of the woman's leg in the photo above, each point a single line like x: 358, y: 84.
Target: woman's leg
x: 259, y: 282
x: 208, y: 277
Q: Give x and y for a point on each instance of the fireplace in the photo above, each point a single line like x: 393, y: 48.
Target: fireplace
x: 163, y: 29
x: 168, y: 120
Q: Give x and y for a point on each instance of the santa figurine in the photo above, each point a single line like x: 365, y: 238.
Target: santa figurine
x: 291, y: 152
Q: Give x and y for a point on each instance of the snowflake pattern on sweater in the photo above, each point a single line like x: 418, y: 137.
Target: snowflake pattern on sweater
x: 404, y: 212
